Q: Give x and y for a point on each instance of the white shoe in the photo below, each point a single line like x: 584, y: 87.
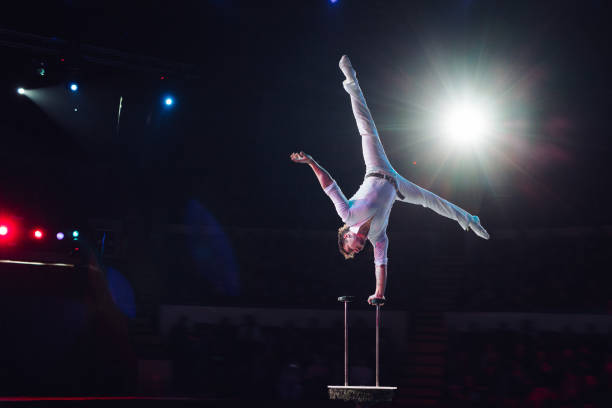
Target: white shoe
x: 477, y: 228
x: 347, y: 69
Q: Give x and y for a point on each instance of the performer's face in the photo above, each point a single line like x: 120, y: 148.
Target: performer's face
x: 353, y: 242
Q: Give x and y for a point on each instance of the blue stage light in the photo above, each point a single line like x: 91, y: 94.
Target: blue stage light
x: 60, y: 236
x: 333, y: 1
x: 74, y: 87
x: 169, y: 101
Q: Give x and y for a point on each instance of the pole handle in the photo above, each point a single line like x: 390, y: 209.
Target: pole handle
x: 378, y: 301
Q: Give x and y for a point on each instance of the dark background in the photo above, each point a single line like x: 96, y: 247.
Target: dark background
x: 199, y: 204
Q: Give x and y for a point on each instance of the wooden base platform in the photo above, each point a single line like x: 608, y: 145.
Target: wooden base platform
x: 361, y: 394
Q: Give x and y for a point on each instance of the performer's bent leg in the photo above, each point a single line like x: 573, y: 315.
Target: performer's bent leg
x: 373, y: 152
x: 414, y: 194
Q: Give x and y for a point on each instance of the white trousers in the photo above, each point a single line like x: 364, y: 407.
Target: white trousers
x: 376, y: 161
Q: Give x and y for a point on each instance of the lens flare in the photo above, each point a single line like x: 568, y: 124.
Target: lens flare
x: 466, y: 123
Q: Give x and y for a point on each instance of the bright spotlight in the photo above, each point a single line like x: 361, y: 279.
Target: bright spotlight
x: 169, y: 101
x: 74, y: 87
x: 60, y: 236
x: 38, y: 234
x: 20, y: 91
x: 466, y: 123
x: 3, y: 230
x: 75, y: 234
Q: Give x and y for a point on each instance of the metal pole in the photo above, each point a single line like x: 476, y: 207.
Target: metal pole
x: 345, y: 300
x: 345, y: 344
x: 377, y: 345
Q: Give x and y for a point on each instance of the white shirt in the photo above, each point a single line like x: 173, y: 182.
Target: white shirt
x: 374, y: 199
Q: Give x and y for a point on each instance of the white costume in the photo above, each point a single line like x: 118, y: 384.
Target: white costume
x: 376, y: 195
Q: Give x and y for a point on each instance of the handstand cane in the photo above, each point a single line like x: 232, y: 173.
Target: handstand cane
x: 362, y: 395
x: 378, y: 303
x: 346, y: 300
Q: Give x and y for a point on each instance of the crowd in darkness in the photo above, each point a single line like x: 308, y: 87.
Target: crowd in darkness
x: 85, y: 346
x: 250, y: 361
x: 501, y: 368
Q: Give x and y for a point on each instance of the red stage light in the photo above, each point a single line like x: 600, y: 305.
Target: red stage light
x: 9, y: 230
x: 38, y: 234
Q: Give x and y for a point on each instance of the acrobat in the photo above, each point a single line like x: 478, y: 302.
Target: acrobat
x: 366, y: 214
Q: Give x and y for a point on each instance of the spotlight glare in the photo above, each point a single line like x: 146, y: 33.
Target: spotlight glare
x: 20, y: 91
x: 75, y: 234
x: 466, y: 123
x: 169, y: 101
x: 74, y: 87
x: 60, y: 236
x: 38, y: 234
x: 3, y: 230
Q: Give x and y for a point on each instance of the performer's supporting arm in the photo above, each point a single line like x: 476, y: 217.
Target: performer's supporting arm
x: 381, y: 282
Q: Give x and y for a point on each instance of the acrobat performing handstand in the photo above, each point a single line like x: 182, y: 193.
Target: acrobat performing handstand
x: 366, y: 214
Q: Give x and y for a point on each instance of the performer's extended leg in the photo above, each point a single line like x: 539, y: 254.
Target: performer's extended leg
x: 373, y: 152
x: 414, y: 194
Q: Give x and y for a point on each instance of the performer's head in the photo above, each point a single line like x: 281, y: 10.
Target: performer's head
x: 349, y: 243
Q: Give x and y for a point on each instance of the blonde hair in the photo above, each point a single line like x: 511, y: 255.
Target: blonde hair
x: 341, y: 231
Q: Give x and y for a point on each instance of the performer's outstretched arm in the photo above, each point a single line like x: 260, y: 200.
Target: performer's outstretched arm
x: 322, y: 175
x: 329, y: 186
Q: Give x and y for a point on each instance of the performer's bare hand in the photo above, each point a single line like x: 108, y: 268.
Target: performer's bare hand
x: 301, y: 157
x: 375, y: 296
